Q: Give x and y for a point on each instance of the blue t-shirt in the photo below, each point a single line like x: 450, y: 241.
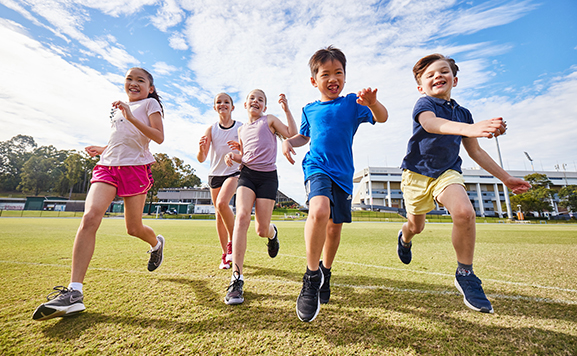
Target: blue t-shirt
x: 433, y: 154
x: 331, y: 126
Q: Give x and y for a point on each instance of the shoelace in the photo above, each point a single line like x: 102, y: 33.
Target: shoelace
x: 58, y: 291
x: 308, y: 289
x: 236, y: 283
x: 154, y: 255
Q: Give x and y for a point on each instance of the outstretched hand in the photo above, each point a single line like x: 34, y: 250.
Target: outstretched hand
x: 489, y: 128
x: 233, y: 145
x: 94, y: 150
x: 517, y: 185
x: 203, y: 144
x: 288, y: 151
x: 283, y: 101
x: 367, y: 97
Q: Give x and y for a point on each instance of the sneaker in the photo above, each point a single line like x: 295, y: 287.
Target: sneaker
x: 308, y: 302
x: 273, y: 244
x: 234, y: 290
x: 61, y: 302
x: 224, y: 264
x: 325, y: 290
x: 404, y: 253
x: 156, y: 257
x: 473, y: 295
x: 229, y: 252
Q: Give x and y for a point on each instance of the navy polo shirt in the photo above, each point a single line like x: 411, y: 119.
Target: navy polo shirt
x: 432, y: 154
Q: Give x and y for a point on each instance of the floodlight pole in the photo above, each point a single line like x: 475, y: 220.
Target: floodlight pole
x: 530, y: 160
x: 505, y: 189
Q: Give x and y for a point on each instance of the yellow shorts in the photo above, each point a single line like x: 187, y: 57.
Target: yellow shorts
x: 420, y: 192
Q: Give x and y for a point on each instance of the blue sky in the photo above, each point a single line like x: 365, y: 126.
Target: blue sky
x: 62, y: 64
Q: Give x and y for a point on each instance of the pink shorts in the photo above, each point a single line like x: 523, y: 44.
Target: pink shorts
x: 128, y: 180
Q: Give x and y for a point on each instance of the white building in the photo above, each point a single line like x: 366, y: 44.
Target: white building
x: 379, y: 188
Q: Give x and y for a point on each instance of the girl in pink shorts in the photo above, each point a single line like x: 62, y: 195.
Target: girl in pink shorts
x: 123, y: 170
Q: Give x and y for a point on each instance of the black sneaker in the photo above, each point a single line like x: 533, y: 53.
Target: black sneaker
x: 404, y: 253
x: 61, y: 302
x: 156, y: 257
x: 273, y: 244
x: 234, y: 291
x: 308, y: 302
x: 325, y: 290
x: 473, y: 294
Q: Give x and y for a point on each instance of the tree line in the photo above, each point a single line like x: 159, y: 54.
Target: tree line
x: 539, y: 198
x: 27, y: 168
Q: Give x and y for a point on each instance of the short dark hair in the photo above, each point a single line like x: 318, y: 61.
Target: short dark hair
x: 426, y: 61
x: 324, y: 55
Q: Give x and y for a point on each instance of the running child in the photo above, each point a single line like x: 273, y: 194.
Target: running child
x: 258, y: 182
x: 222, y: 179
x: 123, y: 170
x: 330, y: 125
x: 432, y: 169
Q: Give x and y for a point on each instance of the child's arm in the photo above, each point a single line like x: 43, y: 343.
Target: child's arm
x: 437, y: 125
x: 94, y: 150
x: 204, y: 145
x: 368, y: 97
x: 289, y: 144
x: 277, y: 126
x: 155, y: 131
x: 479, y: 155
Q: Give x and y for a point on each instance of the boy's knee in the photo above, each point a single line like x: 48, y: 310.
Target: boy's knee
x: 416, y: 229
x: 463, y: 214
x: 319, y: 214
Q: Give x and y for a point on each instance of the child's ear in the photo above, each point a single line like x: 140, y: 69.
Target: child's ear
x: 314, y: 82
x: 151, y: 89
x: 420, y: 89
x: 455, y: 80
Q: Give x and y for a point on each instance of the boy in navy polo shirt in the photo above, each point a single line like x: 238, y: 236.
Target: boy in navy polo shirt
x: 432, y: 169
x: 330, y: 125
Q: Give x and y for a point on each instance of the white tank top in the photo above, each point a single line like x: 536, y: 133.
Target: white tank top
x: 219, y: 148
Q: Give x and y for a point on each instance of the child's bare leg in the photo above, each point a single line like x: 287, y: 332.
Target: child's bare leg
x: 263, y: 214
x: 455, y: 199
x: 414, y: 225
x: 220, y: 226
x: 133, y: 207
x: 245, y: 198
x: 333, y: 239
x: 316, y: 229
x: 98, y: 200
x: 224, y: 211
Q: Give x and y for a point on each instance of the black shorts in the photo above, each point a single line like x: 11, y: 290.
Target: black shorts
x: 217, y: 181
x: 263, y: 184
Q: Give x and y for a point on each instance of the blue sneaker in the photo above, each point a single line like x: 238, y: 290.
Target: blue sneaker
x: 473, y: 294
x: 404, y: 253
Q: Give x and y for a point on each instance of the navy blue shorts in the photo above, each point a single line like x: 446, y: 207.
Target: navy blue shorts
x: 322, y: 184
x: 263, y: 184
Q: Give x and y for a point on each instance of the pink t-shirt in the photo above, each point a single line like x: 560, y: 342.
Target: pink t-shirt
x: 259, y: 145
x: 127, y: 145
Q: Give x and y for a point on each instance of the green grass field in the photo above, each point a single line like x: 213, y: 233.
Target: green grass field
x: 378, y: 305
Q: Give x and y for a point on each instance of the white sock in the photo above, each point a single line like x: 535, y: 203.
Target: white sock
x: 158, y: 244
x: 233, y: 278
x: 76, y: 286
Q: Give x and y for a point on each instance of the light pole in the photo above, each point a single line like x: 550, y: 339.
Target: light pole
x: 531, y: 160
x: 505, y: 189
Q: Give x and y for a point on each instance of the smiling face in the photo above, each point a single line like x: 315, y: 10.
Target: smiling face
x: 437, y: 80
x: 255, y: 103
x: 223, y: 104
x: 330, y: 79
x: 137, y: 84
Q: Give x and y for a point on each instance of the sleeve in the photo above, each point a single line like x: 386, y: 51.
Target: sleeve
x: 153, y: 106
x: 364, y: 114
x: 305, y: 129
x: 422, y: 105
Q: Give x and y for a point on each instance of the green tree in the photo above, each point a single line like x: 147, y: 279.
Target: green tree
x: 164, y: 174
x: 74, y: 164
x: 187, y: 176
x: 36, y: 174
x: 13, y: 154
x: 568, y: 197
x: 538, y: 198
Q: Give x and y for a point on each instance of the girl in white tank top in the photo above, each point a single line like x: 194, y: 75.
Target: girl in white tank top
x: 222, y: 179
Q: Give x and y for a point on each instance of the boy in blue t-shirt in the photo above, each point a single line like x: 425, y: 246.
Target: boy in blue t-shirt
x: 432, y: 169
x: 329, y: 125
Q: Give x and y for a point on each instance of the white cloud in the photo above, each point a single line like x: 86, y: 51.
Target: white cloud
x: 177, y: 41
x: 161, y: 68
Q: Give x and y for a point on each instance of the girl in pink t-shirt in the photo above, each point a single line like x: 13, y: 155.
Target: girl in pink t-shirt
x: 258, y: 181
x: 123, y: 170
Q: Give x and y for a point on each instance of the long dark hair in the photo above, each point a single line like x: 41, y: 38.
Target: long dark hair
x: 154, y: 94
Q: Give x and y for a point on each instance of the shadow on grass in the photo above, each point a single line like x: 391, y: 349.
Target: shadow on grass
x: 395, y: 318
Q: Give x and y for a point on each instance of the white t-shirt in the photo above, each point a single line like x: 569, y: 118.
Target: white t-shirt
x: 127, y: 145
x: 219, y: 148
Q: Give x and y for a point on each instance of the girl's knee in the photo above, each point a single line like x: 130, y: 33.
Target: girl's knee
x: 135, y: 230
